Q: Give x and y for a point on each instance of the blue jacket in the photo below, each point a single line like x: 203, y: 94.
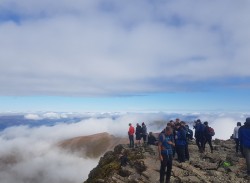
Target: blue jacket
x: 244, y: 135
x: 181, y: 137
x: 166, y: 148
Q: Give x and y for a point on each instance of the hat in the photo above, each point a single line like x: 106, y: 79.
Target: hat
x: 248, y: 120
x: 143, y: 123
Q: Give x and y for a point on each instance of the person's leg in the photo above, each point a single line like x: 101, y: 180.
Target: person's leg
x: 203, y: 139
x: 129, y: 141
x: 169, y: 168
x: 133, y: 143
x: 204, y: 144
x: 186, y: 152
x: 197, y: 143
x: 182, y: 153
x: 177, y: 149
x: 174, y: 150
x: 237, y: 142
x: 247, y: 156
x: 210, y: 144
x: 163, y: 168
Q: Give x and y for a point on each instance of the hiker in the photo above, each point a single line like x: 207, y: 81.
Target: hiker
x: 151, y: 139
x: 131, y: 132
x: 236, y: 137
x: 199, y: 135
x: 138, y: 134
x: 244, y: 137
x: 189, y: 133
x: 183, y: 126
x: 181, y: 142
x: 124, y: 159
x: 208, y: 136
x: 165, y: 144
x: 144, y: 132
x: 172, y: 124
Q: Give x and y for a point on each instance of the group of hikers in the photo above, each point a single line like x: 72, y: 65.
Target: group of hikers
x: 174, y: 139
x: 241, y: 136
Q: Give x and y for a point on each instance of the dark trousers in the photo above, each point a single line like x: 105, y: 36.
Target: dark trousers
x: 131, y: 141
x: 209, y: 141
x: 144, y: 138
x: 200, y: 141
x: 186, y: 152
x: 237, y: 141
x: 246, y: 151
x: 180, y: 149
x: 166, y: 163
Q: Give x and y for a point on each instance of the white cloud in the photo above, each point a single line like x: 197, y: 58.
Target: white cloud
x: 32, y: 116
x: 30, y: 154
x: 115, y: 48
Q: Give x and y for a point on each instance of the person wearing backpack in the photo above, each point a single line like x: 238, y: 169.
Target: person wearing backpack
x: 208, y: 133
x: 199, y: 134
x: 165, y: 144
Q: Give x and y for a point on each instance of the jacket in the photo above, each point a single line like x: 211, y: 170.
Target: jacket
x: 166, y: 148
x: 131, y: 130
x: 244, y: 134
x: 181, y: 137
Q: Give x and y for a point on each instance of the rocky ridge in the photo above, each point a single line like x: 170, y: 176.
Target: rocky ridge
x: 224, y: 165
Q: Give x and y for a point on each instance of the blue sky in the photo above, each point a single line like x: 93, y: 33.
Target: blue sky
x: 124, y: 55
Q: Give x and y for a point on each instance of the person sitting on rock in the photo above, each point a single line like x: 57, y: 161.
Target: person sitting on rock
x: 151, y: 139
x: 236, y: 138
x: 124, y: 159
x: 138, y: 134
x: 208, y: 137
x: 181, y: 142
x: 244, y: 137
x: 165, y: 144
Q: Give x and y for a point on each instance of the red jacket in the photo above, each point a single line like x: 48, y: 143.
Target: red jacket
x: 131, y: 130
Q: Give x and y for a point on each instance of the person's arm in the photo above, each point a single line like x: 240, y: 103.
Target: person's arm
x: 159, y: 148
x: 235, y: 131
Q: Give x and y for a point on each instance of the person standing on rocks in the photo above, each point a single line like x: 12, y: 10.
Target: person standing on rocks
x: 183, y: 126
x: 244, y: 137
x: 208, y: 137
x: 138, y: 134
x: 165, y: 144
x: 181, y: 141
x: 144, y: 133
x: 236, y: 137
x: 131, y: 132
x: 199, y: 135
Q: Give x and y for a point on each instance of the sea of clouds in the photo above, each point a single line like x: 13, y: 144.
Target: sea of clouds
x: 30, y: 154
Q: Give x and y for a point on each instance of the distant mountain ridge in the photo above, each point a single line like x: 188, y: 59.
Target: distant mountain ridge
x: 92, y: 146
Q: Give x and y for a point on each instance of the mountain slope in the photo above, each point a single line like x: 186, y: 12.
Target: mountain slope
x: 92, y: 146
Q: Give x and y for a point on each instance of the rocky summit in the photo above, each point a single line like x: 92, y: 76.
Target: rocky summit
x: 142, y: 165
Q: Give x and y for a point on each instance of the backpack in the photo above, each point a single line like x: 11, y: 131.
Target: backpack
x: 211, y: 131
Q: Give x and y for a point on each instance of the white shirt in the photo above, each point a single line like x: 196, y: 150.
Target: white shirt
x: 236, y: 130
